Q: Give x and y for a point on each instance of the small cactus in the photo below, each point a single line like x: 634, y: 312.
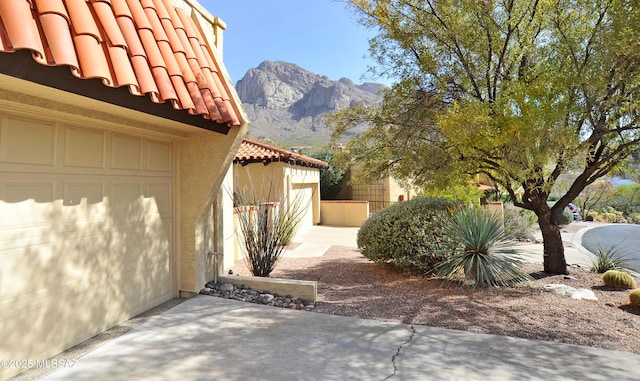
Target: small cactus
x: 634, y: 297
x: 618, y: 279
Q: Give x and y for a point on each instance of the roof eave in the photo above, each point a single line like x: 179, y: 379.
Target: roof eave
x: 20, y: 64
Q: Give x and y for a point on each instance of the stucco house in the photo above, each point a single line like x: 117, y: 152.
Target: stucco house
x: 118, y: 124
x: 265, y: 169
x: 379, y: 194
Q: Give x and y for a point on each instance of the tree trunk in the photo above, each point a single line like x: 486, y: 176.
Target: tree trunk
x: 554, y: 261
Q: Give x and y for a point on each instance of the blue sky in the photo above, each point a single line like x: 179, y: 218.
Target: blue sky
x: 321, y: 36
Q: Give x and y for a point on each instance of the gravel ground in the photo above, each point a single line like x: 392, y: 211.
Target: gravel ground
x: 350, y: 285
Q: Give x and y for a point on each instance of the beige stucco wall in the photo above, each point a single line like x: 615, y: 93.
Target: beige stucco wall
x: 396, y: 191
x: 269, y: 182
x: 343, y: 212
x: 204, y: 159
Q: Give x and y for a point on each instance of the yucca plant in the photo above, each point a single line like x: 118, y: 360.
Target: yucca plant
x: 484, y: 256
x: 610, y: 258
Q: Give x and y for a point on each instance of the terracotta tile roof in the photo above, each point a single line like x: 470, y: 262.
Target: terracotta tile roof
x: 254, y: 152
x: 147, y: 45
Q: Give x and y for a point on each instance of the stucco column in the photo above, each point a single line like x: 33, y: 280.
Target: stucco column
x: 204, y: 160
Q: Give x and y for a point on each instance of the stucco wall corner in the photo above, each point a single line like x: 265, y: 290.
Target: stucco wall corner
x: 204, y: 160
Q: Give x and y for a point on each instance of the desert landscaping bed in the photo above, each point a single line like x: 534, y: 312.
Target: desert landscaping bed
x: 350, y: 285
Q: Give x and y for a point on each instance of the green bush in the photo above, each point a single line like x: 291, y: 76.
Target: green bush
x: 518, y: 223
x: 408, y: 233
x: 618, y: 279
x: 566, y: 217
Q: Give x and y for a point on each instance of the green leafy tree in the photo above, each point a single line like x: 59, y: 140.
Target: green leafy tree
x: 332, y: 178
x: 593, y: 196
x: 513, y: 89
x: 465, y: 192
x: 626, y: 199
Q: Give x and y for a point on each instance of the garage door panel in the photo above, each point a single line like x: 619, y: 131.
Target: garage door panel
x: 29, y: 205
x: 161, y: 193
x: 27, y: 141
x: 159, y: 156
x: 83, y: 192
x: 126, y: 152
x: 56, y: 321
x: 76, y: 251
x: 84, y: 148
x: 39, y: 191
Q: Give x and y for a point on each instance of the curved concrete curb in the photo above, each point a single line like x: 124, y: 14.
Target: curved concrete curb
x: 576, y: 239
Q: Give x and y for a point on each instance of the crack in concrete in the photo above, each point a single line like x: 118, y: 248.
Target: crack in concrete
x: 393, y: 358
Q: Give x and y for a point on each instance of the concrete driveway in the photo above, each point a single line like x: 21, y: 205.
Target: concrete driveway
x: 208, y: 338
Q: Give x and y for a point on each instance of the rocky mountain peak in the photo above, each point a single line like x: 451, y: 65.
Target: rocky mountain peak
x: 284, y: 100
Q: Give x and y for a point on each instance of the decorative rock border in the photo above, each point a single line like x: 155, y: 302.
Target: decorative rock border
x: 244, y: 293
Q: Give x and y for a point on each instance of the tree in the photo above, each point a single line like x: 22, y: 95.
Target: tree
x: 593, y: 195
x: 331, y: 178
x: 513, y: 89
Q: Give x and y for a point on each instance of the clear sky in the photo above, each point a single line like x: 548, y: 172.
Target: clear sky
x: 321, y: 36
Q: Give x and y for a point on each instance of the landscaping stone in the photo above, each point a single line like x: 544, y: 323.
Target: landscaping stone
x: 580, y: 293
x: 244, y: 293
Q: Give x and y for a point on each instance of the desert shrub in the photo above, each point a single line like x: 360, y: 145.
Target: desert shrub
x: 518, y: 223
x: 626, y: 199
x: 408, y: 233
x: 634, y: 218
x: 618, y: 279
x: 483, y: 256
x: 566, y: 217
x: 609, y: 214
x: 634, y: 297
x: 609, y: 258
x: 267, y: 222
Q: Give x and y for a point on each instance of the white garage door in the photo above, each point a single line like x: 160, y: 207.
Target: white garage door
x: 304, y: 193
x: 85, y: 232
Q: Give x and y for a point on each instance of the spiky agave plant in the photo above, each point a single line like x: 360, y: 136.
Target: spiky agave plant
x: 484, y: 256
x: 610, y: 258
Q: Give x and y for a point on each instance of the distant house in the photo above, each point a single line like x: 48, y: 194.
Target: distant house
x: 380, y: 193
x: 111, y: 115
x: 262, y: 167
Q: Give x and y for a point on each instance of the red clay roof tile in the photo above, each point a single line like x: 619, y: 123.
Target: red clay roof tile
x: 52, y: 6
x: 254, y: 152
x: 61, y: 52
x: 147, y: 45
x: 20, y: 28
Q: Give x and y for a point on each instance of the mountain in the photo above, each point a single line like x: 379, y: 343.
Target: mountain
x: 288, y: 104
